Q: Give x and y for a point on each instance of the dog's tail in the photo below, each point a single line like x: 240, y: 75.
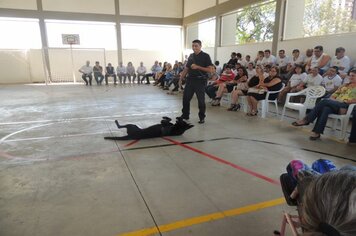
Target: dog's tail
x: 117, y: 138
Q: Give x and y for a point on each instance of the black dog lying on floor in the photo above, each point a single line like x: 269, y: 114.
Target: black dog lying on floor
x: 166, y: 128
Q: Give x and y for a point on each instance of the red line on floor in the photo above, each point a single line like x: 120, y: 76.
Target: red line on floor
x: 218, y: 159
x: 131, y: 143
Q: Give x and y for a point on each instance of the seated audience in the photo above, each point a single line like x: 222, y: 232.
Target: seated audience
x: 259, y: 91
x: 341, y: 61
x: 336, y: 104
x: 268, y: 58
x: 218, y: 67
x: 141, y: 71
x: 121, y: 72
x: 87, y: 71
x: 297, y: 59
x: 227, y: 76
x: 295, y: 84
x: 228, y: 86
x: 241, y: 90
x: 156, y: 68
x: 332, y: 81
x: 307, y: 58
x: 313, y: 78
x: 259, y: 58
x: 282, y: 62
x: 232, y: 62
x: 98, y: 73
x: 110, y: 72
x: 320, y: 60
x: 250, y: 70
x: 130, y: 71
x: 328, y: 204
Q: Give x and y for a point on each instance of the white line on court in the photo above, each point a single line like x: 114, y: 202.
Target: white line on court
x: 84, y: 118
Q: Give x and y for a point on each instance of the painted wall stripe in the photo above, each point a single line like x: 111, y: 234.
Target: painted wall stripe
x: 205, y: 218
x: 218, y: 159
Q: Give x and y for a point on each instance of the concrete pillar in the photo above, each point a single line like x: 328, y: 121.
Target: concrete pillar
x: 44, y: 41
x: 278, y: 25
x: 118, y: 31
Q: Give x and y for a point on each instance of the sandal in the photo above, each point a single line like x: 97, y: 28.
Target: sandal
x: 296, y: 123
x: 316, y: 137
x: 236, y: 107
x: 231, y: 108
x: 252, y: 113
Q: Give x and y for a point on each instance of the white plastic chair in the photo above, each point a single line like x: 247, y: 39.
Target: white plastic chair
x: 266, y: 101
x: 344, y: 120
x: 312, y: 94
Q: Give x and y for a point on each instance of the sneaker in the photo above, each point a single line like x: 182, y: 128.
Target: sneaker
x: 201, y: 121
x: 186, y: 119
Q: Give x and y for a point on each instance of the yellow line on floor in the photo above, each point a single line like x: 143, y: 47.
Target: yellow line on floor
x: 205, y: 218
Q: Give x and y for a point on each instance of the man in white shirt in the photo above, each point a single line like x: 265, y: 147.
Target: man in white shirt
x: 121, y: 72
x: 251, y: 72
x: 332, y: 81
x: 268, y: 58
x: 87, y: 71
x: 320, y: 60
x: 141, y: 71
x: 308, y: 56
x: 341, y: 61
x: 247, y: 61
x: 218, y: 68
x: 154, y: 70
x: 313, y: 78
x: 282, y: 63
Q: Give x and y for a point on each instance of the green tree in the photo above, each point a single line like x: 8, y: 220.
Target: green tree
x: 323, y: 17
x: 255, y: 23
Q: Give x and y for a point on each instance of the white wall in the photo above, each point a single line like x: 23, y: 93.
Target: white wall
x: 21, y: 66
x: 156, y: 8
x: 148, y: 57
x: 19, y: 4
x: 194, y: 6
x: 37, y: 73
x: 222, y: 1
x: 83, y: 6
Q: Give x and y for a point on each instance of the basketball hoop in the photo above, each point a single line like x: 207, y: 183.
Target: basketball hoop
x: 70, y: 39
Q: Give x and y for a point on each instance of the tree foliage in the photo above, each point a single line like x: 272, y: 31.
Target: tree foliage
x: 323, y: 17
x: 255, y: 23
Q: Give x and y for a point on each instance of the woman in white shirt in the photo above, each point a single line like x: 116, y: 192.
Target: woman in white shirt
x: 294, y: 83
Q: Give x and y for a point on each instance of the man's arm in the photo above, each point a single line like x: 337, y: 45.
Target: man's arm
x: 184, y: 73
x: 207, y: 69
x: 324, y: 61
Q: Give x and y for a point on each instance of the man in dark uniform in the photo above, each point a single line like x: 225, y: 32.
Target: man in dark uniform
x: 198, y: 66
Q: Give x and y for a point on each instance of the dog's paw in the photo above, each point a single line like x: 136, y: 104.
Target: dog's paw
x: 166, y: 118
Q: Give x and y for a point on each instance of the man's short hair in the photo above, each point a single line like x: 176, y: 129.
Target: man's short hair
x: 217, y: 63
x: 319, y: 47
x: 96, y: 62
x: 267, y: 50
x: 340, y: 49
x: 197, y: 41
x: 295, y: 50
x: 282, y: 50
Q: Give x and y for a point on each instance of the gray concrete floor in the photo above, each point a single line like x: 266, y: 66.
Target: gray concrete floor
x: 58, y: 176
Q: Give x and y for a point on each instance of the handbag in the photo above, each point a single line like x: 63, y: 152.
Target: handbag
x: 256, y: 90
